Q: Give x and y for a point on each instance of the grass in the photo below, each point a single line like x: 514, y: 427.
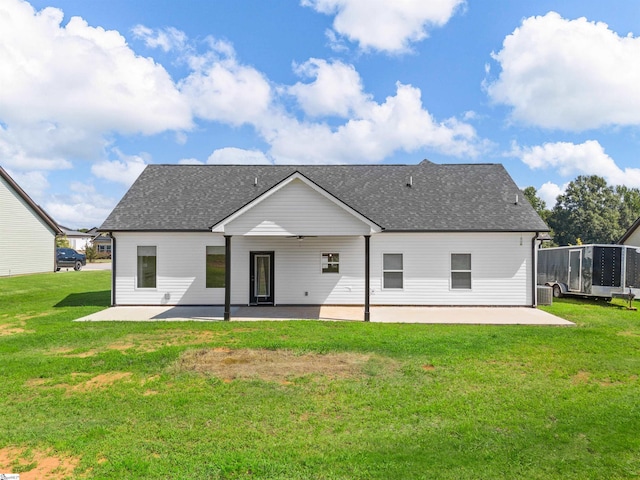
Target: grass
x: 319, y: 400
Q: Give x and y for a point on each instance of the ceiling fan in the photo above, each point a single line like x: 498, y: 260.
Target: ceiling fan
x: 301, y: 237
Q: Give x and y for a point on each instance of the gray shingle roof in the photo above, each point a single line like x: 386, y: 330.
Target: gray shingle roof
x: 455, y: 197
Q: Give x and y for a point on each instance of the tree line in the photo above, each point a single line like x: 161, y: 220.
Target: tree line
x: 589, y: 211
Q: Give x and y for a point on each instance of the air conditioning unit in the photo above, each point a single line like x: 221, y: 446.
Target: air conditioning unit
x: 545, y: 295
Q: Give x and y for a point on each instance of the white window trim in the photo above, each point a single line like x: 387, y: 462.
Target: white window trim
x: 337, y: 263
x: 462, y: 271
x: 147, y: 289
x: 389, y: 289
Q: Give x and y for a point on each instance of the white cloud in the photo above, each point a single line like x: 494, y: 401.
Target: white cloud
x: 569, y: 74
x: 190, y: 161
x: 400, y: 123
x: 167, y: 39
x: 82, y: 207
x: 79, y: 83
x: 389, y: 26
x: 125, y: 170
x: 569, y: 159
x: 45, y: 146
x: 34, y: 183
x: 336, y: 90
x: 221, y: 89
x: 14, y: 154
x: 238, y: 156
x: 549, y: 191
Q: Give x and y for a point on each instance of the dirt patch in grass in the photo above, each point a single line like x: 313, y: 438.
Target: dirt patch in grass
x: 146, y: 342
x: 581, y: 378
x: 85, y: 384
x: 628, y: 333
x: 10, y: 330
x: 100, y: 381
x: 13, y: 328
x: 155, y: 341
x: 272, y: 365
x: 29, y: 316
x: 36, y: 464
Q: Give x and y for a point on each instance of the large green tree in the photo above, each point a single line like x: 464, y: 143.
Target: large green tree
x: 629, y: 206
x: 539, y: 205
x: 588, y: 212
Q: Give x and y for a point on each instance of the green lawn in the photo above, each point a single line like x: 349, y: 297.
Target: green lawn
x: 197, y: 400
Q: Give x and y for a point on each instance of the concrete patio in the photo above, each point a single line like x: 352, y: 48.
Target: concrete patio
x: 379, y: 314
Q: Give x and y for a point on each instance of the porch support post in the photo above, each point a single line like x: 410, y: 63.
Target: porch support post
x: 227, y: 277
x: 114, y: 274
x: 367, y: 316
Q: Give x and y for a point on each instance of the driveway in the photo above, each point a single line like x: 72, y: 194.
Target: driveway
x: 97, y: 266
x: 433, y: 315
x: 89, y: 267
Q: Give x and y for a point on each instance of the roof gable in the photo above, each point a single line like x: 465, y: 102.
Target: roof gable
x: 296, y: 206
x: 35, y: 208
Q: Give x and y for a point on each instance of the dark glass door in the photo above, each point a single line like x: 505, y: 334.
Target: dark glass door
x: 261, y: 278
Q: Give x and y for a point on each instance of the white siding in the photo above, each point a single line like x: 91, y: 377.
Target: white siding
x: 296, y: 209
x: 298, y: 269
x: 500, y: 268
x: 27, y: 244
x: 634, y: 238
x: 180, y: 269
x: 79, y: 243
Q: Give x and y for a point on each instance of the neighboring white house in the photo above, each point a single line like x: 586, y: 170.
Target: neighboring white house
x: 77, y: 240
x: 632, y: 236
x: 27, y: 233
x: 365, y: 235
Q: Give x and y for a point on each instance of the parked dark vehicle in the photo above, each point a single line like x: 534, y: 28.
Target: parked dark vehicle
x: 68, y: 257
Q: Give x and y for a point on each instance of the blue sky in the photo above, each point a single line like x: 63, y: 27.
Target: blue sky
x: 92, y: 91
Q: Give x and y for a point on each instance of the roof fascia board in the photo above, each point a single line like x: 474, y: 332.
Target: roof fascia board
x: 467, y: 231
x: 152, y: 230
x: 219, y: 227
x: 34, y: 206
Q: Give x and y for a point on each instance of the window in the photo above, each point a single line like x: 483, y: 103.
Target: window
x: 330, y: 263
x: 392, y: 270
x: 215, y: 267
x: 146, y: 267
x: 461, y: 271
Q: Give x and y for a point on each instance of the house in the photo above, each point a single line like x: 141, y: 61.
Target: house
x: 77, y: 240
x: 27, y: 233
x: 102, y: 242
x: 423, y: 234
x: 631, y: 236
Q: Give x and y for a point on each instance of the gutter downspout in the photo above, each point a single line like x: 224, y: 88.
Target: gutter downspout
x: 534, y: 269
x: 113, y: 269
